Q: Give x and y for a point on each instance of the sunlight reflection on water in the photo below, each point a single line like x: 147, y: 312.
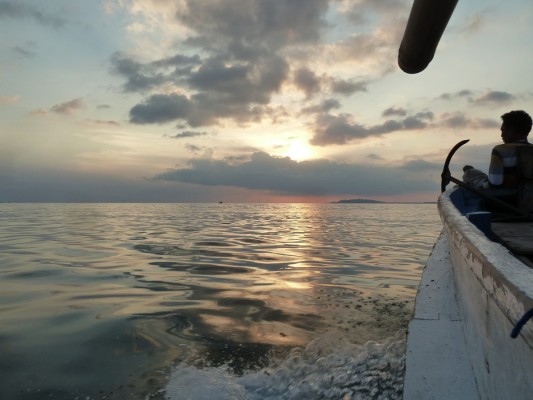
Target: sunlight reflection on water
x: 134, y: 288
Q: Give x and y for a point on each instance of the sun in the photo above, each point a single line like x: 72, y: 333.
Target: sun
x: 299, y: 151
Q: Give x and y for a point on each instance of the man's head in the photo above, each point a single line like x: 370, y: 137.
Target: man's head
x: 515, y: 126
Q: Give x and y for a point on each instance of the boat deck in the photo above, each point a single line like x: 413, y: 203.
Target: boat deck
x: 437, y: 365
x: 517, y: 237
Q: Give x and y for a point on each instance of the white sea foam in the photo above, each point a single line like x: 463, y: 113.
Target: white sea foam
x: 330, y: 367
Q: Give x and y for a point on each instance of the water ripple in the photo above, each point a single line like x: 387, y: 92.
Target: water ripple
x: 133, y: 288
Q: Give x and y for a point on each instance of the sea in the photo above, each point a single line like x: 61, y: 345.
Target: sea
x: 208, y: 301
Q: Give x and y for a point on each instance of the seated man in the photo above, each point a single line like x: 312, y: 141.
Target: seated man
x: 511, y: 160
x: 503, y: 170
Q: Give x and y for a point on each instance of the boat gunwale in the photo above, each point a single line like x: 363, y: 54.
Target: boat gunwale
x: 500, y: 273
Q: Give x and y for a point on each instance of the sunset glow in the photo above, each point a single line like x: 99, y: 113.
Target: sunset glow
x: 141, y: 100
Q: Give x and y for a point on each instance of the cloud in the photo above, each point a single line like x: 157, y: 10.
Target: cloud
x: 494, y: 97
x: 324, y: 107
x: 284, y: 176
x: 68, y: 107
x: 340, y: 129
x: 307, y: 81
x: 194, y: 148
x: 161, y: 108
x: 188, y: 134
x: 245, y: 52
x: 142, y: 77
x: 100, y: 122
x: 460, y: 94
x: 346, y: 87
x: 244, y: 28
x: 459, y: 120
x: 394, y: 111
x: 17, y: 10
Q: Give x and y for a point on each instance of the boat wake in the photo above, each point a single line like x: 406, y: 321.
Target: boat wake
x: 330, y: 367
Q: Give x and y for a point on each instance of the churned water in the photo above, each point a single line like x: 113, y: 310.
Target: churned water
x: 208, y: 301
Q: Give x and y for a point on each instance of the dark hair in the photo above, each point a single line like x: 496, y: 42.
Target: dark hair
x: 519, y: 120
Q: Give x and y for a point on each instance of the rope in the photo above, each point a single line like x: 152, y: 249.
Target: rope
x: 521, y: 322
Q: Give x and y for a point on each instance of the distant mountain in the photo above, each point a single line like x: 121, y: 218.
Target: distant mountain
x: 359, y: 201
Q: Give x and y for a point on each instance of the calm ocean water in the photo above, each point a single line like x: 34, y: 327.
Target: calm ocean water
x: 208, y: 301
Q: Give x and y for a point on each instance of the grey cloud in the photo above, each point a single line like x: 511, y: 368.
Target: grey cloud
x: 287, y: 177
x: 202, y: 109
x: 104, y: 123
x: 460, y: 94
x: 391, y: 111
x: 242, y: 64
x: 188, y: 134
x: 141, y: 77
x: 348, y: 88
x: 138, y: 76
x: 243, y: 27
x: 240, y: 91
x: 330, y: 129
x: 240, y: 83
x: 324, y: 107
x: 374, y: 157
x: 307, y: 81
x: 390, y: 8
x: 418, y: 121
x: 193, y: 148
x: 68, y: 107
x: 159, y: 108
x: 456, y: 120
x: 459, y: 120
x: 17, y: 10
x: 495, y: 97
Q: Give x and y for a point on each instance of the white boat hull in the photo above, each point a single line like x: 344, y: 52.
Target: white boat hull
x: 493, y: 290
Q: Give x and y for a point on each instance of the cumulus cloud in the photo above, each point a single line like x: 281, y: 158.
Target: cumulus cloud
x: 284, y: 176
x: 161, y: 108
x: 246, y: 27
x: 68, y: 107
x: 341, y: 129
x: 244, y: 54
x: 307, y: 81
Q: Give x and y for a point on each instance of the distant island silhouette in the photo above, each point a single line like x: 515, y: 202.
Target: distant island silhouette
x: 370, y: 201
x: 359, y: 201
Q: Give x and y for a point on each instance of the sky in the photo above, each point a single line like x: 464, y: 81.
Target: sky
x: 248, y: 100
